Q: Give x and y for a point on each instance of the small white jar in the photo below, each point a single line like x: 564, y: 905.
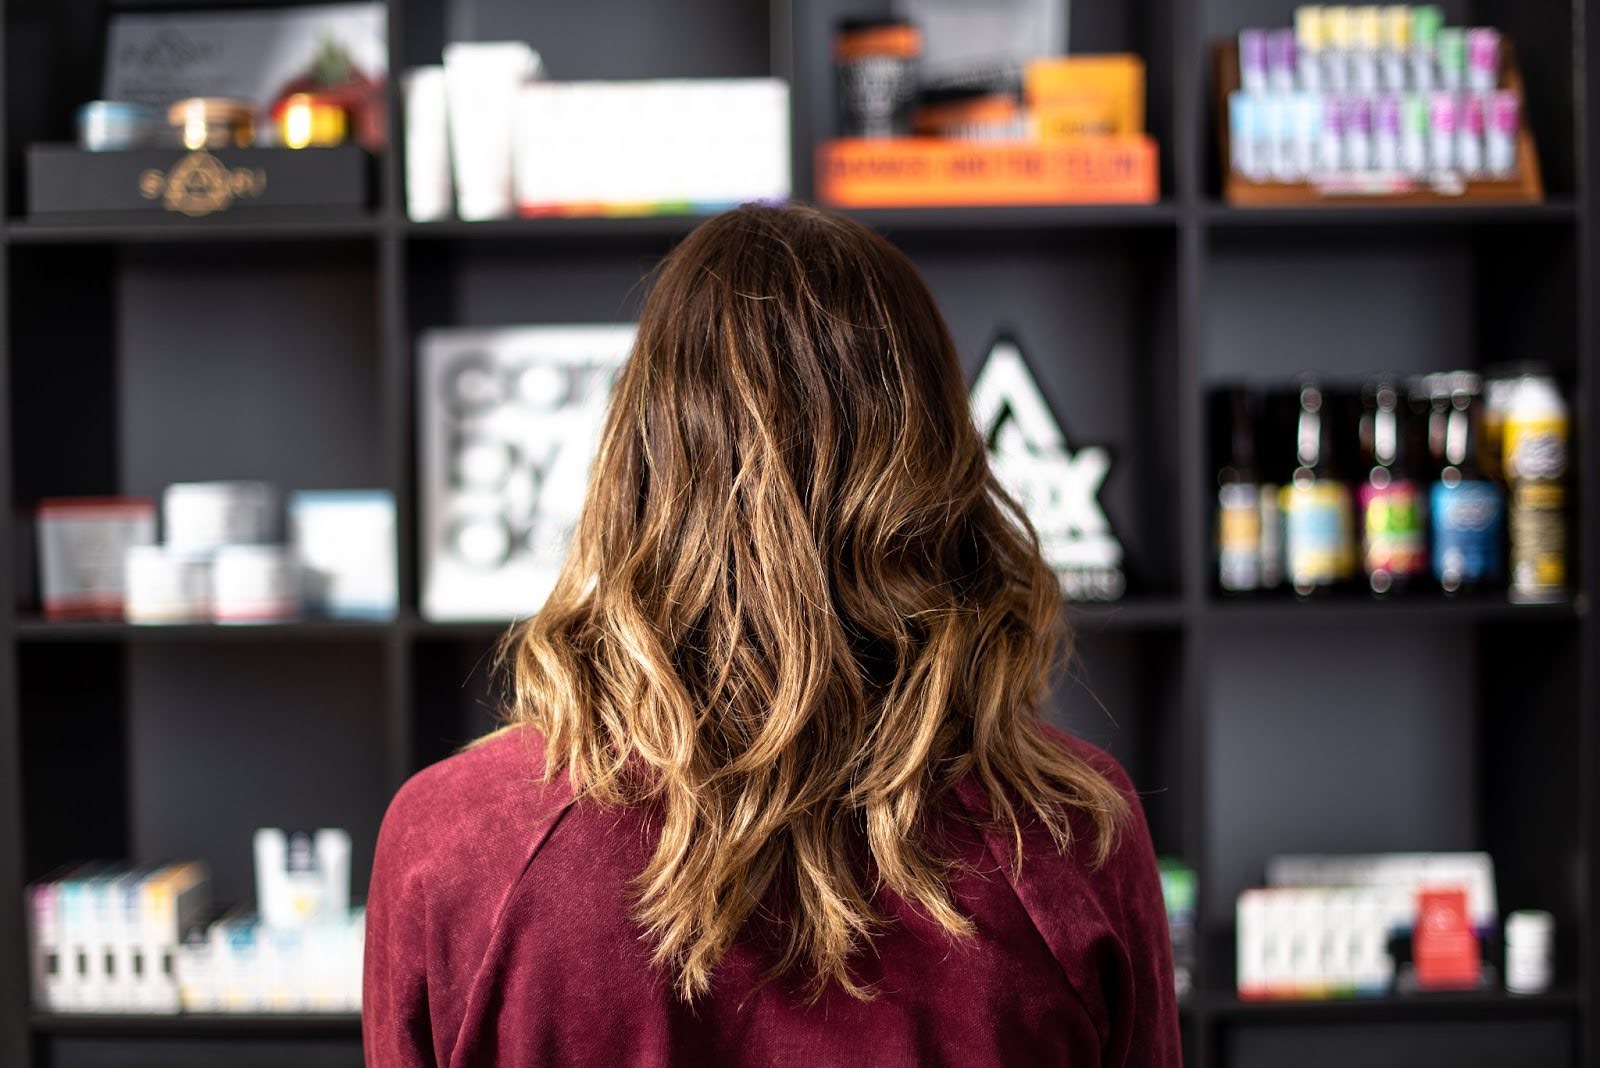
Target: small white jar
x: 165, y: 586
x: 256, y: 584
x: 1530, y: 938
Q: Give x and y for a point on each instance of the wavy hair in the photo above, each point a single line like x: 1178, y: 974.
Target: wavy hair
x: 798, y: 609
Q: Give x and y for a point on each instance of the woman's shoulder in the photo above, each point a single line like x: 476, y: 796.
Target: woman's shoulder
x: 483, y: 810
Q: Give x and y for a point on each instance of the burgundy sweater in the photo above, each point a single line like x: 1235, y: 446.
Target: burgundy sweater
x: 498, y: 933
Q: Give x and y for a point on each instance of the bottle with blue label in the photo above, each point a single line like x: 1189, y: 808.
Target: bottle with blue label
x: 1319, y: 536
x: 1467, y: 506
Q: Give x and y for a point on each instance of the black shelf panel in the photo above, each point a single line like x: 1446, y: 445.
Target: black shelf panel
x: 168, y: 229
x: 42, y: 630
x: 1467, y: 1005
x: 1336, y: 215
x: 151, y: 1024
x: 1428, y: 610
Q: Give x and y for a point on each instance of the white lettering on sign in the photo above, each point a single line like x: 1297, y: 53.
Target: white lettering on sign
x: 1058, y: 488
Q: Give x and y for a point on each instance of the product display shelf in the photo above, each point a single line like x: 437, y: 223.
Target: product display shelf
x: 1007, y: 219
x: 1466, y: 1005
x: 1131, y: 314
x: 1368, y: 611
x: 557, y: 228
x: 45, y: 630
x: 135, y: 1024
x: 161, y: 230
x: 1554, y: 211
x: 1138, y: 613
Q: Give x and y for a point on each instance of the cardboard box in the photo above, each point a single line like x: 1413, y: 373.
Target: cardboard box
x: 1080, y: 96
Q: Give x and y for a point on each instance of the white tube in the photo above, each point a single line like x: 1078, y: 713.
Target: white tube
x: 428, y: 188
x: 481, y: 81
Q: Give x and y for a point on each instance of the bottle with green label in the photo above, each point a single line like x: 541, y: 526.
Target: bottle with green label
x: 1394, y: 549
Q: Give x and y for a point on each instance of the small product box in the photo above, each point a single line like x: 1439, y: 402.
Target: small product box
x: 1078, y: 96
x: 82, y: 543
x: 345, y: 541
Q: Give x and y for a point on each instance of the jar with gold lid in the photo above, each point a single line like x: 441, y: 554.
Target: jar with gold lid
x: 213, y: 122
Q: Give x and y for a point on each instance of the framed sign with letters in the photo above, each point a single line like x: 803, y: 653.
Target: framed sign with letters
x: 510, y: 419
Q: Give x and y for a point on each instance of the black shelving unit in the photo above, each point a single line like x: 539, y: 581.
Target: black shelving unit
x: 143, y: 352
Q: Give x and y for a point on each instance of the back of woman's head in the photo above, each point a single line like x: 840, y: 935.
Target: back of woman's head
x: 798, y: 609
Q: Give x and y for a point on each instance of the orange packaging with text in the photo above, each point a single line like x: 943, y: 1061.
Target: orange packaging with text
x: 1074, y: 96
x: 927, y: 172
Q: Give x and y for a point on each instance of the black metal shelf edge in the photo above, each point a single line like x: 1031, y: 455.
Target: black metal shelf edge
x: 1357, y: 609
x: 1463, y: 1005
x: 1376, y: 213
x: 164, y: 229
x: 559, y: 228
x: 1136, y: 613
x: 129, y: 1024
x: 968, y: 220
x: 43, y: 630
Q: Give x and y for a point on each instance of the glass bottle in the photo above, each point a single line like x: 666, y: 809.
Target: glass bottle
x: 1319, y: 546
x: 1466, y: 505
x: 1394, y: 549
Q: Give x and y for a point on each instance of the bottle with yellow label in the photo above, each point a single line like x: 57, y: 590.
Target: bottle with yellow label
x: 1534, y: 458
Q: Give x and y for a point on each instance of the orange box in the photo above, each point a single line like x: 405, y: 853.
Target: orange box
x: 927, y: 172
x: 1075, y: 96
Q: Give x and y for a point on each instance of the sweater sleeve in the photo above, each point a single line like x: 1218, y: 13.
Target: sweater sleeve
x: 395, y: 1026
x: 1144, y: 1025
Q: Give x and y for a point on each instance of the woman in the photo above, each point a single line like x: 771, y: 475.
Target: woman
x: 773, y: 789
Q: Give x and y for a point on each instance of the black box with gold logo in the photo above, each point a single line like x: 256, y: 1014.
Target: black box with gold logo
x: 67, y: 180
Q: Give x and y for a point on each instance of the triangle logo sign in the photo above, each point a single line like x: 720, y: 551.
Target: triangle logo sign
x: 1058, y: 488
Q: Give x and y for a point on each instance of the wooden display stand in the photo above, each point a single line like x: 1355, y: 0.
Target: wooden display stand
x: 1526, y: 188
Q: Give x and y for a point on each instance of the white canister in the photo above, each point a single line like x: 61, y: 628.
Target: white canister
x: 1530, y: 936
x: 429, y: 192
x: 164, y: 586
x: 204, y: 516
x: 481, y: 83
x: 255, y: 584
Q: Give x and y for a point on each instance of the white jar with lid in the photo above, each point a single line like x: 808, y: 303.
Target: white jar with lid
x: 166, y: 586
x: 204, y: 516
x: 1530, y: 936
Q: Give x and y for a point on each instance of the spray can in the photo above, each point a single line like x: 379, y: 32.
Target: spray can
x: 1534, y: 458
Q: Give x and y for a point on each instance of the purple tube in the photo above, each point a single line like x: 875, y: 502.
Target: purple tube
x: 1357, y: 133
x: 1357, y: 115
x: 1280, y: 61
x: 1386, y: 115
x: 1253, y: 60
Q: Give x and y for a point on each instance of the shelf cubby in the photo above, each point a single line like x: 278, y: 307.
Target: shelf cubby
x: 140, y: 351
